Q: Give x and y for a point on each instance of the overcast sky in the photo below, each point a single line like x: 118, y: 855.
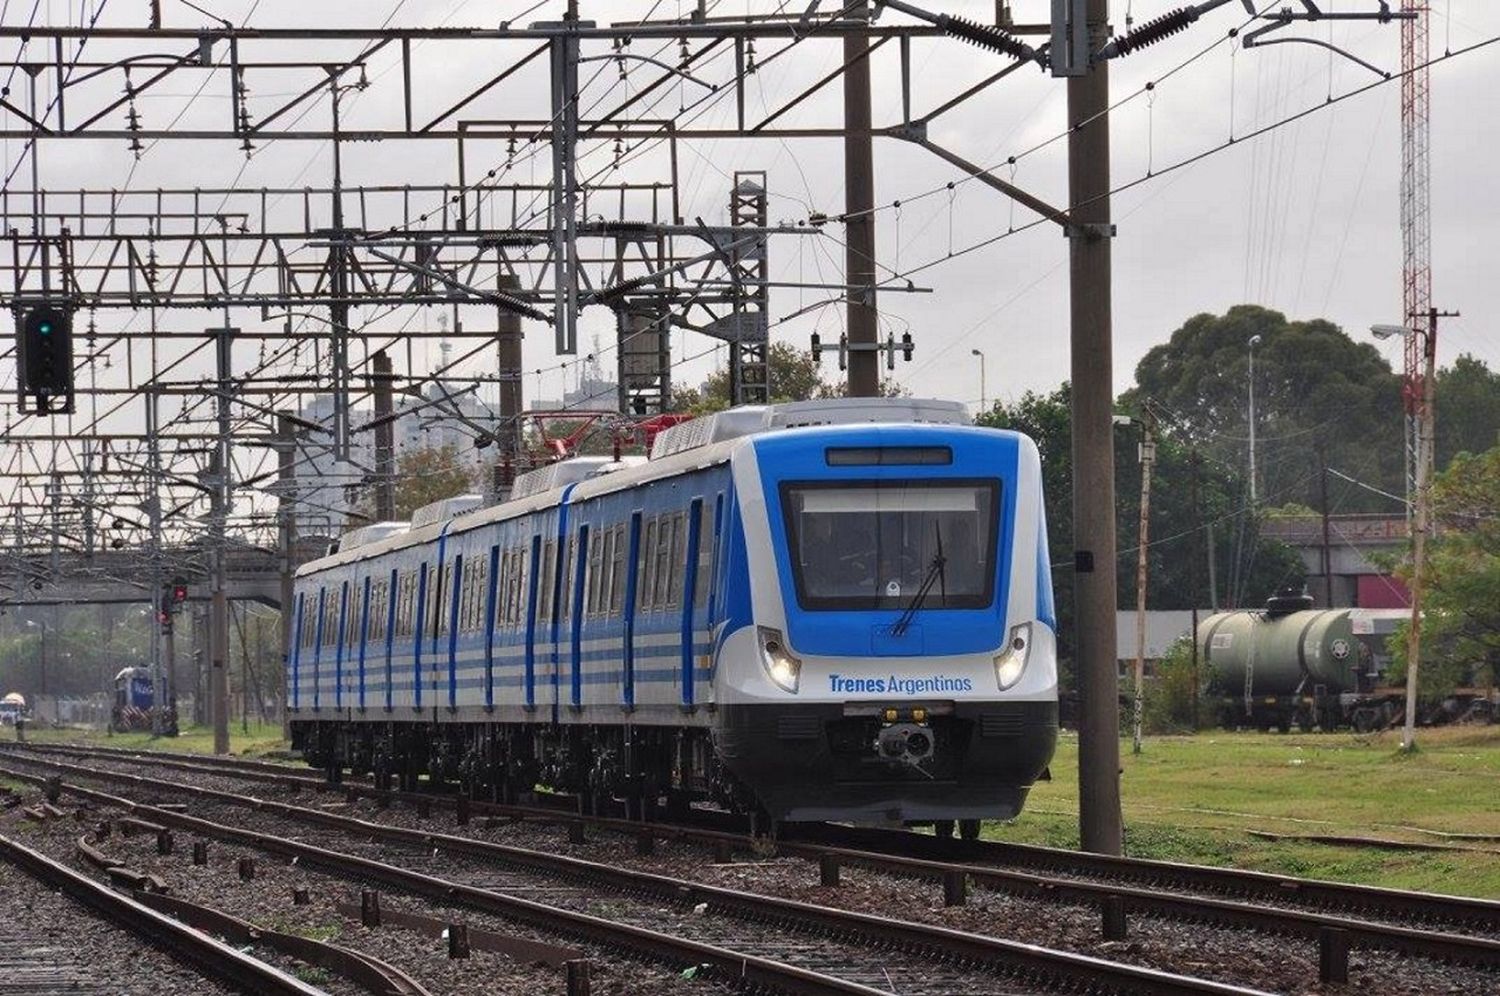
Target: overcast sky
x: 1304, y: 219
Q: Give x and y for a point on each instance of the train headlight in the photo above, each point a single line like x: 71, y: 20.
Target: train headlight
x: 1010, y: 663
x: 783, y: 668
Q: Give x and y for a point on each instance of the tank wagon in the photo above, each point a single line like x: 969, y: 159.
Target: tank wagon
x: 1294, y: 665
x: 821, y: 610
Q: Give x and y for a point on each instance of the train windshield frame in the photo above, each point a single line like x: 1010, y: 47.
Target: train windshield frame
x: 869, y: 544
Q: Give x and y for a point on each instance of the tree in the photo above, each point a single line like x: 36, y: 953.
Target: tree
x: 1461, y: 602
x: 794, y: 376
x: 423, y: 476
x: 1314, y: 385
x: 1467, y: 409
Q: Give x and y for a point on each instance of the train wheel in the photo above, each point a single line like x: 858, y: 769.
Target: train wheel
x: 942, y: 828
x: 968, y: 829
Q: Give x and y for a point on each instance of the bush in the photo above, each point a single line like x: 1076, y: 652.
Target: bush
x: 1172, y: 693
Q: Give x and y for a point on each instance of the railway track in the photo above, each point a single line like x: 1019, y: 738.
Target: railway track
x: 213, y: 958
x: 934, y: 960
x: 1285, y: 904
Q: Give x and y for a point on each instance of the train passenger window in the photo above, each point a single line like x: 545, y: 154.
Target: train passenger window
x: 617, y: 569
x: 705, y: 552
x: 646, y: 572
x: 679, y: 560
x: 308, y: 624
x: 331, y: 618
x: 356, y: 615
x: 547, y: 581
x: 406, y: 610
x: 565, y: 606
x: 606, y: 556
x: 481, y: 590
x: 591, y: 598
x: 662, y: 583
x: 376, y: 629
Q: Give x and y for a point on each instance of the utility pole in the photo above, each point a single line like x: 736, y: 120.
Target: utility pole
x: 1254, y: 341
x: 1148, y: 459
x: 1193, y: 497
x: 859, y: 210
x: 1090, y: 231
x: 385, y: 433
x: 286, y: 538
x: 1422, y: 520
x: 1327, y: 554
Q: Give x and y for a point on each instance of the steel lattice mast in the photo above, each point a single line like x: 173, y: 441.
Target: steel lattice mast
x: 1416, y: 221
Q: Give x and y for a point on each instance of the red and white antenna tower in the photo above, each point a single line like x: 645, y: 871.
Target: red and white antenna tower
x: 1416, y: 221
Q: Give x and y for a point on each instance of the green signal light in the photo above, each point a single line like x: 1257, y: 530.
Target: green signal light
x: 45, y: 328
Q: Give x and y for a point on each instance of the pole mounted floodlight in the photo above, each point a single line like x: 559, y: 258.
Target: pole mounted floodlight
x: 1391, y: 331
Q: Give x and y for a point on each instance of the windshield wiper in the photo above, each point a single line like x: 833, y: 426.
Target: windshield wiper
x: 935, y: 574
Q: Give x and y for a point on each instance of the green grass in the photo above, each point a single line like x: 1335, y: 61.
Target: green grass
x: 262, y: 738
x: 1192, y: 798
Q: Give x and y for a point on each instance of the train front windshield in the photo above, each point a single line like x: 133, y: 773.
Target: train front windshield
x: 873, y: 544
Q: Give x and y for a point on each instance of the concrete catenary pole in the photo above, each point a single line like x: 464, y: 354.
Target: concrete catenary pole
x: 859, y: 229
x: 286, y: 539
x: 1099, y: 823
x: 218, y: 689
x: 509, y: 334
x: 385, y: 434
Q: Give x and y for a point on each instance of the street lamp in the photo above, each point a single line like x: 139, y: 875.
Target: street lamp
x: 983, y: 400
x: 1254, y: 341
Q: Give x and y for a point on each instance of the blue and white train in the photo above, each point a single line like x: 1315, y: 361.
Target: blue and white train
x: 826, y: 610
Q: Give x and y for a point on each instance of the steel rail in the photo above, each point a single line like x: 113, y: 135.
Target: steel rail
x: 868, y: 845
x: 209, y: 956
x: 1058, y: 968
